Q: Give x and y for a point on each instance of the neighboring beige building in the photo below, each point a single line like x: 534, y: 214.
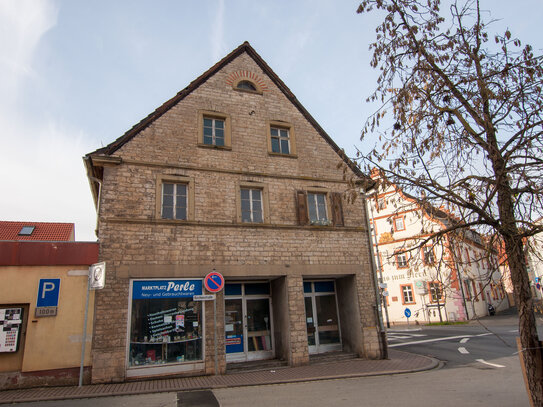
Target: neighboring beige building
x: 42, y: 304
x: 455, y: 277
x: 234, y: 175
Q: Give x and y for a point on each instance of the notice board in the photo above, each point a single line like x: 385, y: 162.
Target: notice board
x: 11, y: 320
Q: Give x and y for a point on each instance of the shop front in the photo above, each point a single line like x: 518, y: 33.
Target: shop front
x: 166, y: 327
x: 248, y: 321
x: 322, y: 318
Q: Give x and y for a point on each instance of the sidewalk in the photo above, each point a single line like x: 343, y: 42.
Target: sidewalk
x: 399, y: 362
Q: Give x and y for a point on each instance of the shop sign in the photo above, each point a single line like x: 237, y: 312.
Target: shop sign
x: 157, y: 289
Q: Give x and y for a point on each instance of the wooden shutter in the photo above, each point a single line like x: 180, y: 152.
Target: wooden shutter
x: 301, y: 207
x: 337, y: 209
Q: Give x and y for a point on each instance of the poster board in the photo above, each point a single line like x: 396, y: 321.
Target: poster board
x: 11, y: 320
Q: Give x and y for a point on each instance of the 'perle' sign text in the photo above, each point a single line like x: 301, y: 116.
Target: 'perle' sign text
x: 156, y: 289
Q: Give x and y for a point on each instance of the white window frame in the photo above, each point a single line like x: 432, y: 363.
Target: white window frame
x: 214, y: 128
x: 321, y: 218
x: 410, y: 294
x: 279, y: 138
x: 251, y: 202
x: 174, y: 207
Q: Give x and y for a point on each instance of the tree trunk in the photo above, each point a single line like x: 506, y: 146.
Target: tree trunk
x: 531, y: 347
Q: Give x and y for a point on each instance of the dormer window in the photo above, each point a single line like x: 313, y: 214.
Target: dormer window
x: 246, y: 85
x: 26, y: 230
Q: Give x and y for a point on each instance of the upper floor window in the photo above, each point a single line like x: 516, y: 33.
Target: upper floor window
x: 428, y: 256
x: 214, y: 130
x: 401, y: 260
x: 281, y: 140
x: 399, y: 223
x: 381, y: 204
x: 319, y: 207
x: 174, y: 201
x: 251, y: 205
x: 407, y: 294
x: 435, y: 291
x: 246, y: 85
x: 316, y: 204
x: 175, y: 197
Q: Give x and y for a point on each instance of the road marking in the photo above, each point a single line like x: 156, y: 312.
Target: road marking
x: 464, y: 340
x: 463, y: 350
x: 488, y: 363
x: 448, y: 338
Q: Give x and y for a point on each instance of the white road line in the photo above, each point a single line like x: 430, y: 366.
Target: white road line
x: 463, y: 350
x: 488, y: 363
x: 448, y: 338
x: 464, y: 340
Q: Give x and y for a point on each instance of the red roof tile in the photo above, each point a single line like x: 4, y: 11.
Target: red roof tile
x: 43, y: 231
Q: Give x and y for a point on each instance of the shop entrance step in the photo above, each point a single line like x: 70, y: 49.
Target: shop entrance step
x: 255, y: 365
x: 328, y: 357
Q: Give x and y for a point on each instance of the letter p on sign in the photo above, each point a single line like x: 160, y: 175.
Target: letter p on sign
x: 48, y: 292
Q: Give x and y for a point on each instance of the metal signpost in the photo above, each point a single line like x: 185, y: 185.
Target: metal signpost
x: 407, y: 314
x: 96, y: 281
x: 214, y: 282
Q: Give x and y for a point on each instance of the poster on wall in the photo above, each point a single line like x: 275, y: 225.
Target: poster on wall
x: 11, y: 320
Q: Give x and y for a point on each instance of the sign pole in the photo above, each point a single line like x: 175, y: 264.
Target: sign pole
x: 215, y: 334
x: 84, y: 339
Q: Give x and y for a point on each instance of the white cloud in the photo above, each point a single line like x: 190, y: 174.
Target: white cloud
x: 22, y: 24
x: 218, y: 43
x: 43, y: 178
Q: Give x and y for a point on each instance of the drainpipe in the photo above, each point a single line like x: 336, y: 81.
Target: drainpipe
x: 378, y: 298
x: 98, y: 202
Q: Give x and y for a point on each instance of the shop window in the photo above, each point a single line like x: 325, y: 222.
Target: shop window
x: 166, y: 324
x: 214, y: 130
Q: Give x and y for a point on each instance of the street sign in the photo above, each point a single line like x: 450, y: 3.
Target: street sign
x: 204, y: 297
x: 48, y: 291
x: 407, y: 312
x: 214, y: 282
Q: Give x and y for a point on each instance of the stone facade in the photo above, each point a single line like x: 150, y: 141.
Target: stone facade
x: 137, y: 244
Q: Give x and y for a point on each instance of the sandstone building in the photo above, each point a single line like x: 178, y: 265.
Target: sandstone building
x: 232, y: 174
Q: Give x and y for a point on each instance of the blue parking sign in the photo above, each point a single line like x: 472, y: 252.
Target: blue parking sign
x: 48, y: 291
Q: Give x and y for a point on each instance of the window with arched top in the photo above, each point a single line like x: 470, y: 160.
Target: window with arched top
x: 246, y: 85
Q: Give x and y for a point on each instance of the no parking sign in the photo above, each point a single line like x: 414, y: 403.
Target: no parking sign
x: 214, y: 282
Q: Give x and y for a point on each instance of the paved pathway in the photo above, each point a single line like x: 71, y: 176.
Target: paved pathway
x: 398, y: 362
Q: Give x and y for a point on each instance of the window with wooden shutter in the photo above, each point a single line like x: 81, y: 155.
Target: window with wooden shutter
x: 337, y: 209
x: 301, y: 205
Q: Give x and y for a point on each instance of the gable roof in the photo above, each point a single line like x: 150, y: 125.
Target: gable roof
x: 42, y: 231
x: 245, y: 47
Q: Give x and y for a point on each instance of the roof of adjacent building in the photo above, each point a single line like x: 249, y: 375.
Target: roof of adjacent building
x: 29, y: 253
x: 37, y: 231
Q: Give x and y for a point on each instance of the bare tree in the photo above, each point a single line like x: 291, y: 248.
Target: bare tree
x: 461, y: 119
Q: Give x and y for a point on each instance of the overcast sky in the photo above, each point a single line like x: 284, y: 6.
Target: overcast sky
x: 76, y: 75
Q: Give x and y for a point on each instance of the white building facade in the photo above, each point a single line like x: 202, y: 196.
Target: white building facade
x: 430, y: 279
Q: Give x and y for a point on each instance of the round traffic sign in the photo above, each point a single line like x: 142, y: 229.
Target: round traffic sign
x: 214, y: 282
x: 407, y: 312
